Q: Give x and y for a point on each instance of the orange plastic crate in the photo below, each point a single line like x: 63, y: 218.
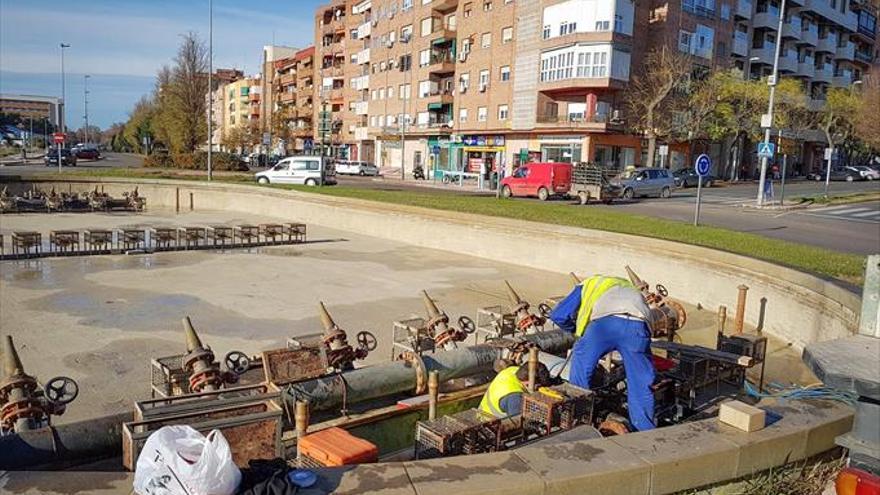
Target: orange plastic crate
x: 337, y: 447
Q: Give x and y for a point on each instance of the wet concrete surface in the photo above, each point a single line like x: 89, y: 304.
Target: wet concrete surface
x: 100, y: 319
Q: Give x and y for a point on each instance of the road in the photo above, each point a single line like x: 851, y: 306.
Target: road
x: 109, y: 160
x: 853, y: 228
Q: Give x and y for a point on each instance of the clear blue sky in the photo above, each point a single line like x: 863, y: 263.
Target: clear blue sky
x: 122, y: 43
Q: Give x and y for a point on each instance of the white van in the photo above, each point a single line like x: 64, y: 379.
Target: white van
x: 297, y: 170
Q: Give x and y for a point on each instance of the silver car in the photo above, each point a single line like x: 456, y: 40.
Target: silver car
x: 346, y: 167
x: 646, y: 182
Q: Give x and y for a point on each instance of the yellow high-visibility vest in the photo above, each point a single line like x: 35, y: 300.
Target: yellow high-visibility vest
x: 504, y: 384
x: 591, y: 290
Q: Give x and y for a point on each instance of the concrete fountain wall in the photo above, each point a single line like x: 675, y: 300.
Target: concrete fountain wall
x: 800, y: 308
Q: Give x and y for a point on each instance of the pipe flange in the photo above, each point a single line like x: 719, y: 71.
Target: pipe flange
x: 196, y: 355
x: 25, y: 382
x: 198, y: 381
x: 415, y: 361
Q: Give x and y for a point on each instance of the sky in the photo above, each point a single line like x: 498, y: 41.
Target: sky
x: 122, y: 43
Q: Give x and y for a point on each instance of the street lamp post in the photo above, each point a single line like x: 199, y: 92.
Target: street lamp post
x: 62, y: 120
x: 403, y: 119
x: 86, y: 104
x: 210, y: 86
x: 773, y: 81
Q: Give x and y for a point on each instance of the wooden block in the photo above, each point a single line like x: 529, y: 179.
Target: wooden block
x: 742, y: 416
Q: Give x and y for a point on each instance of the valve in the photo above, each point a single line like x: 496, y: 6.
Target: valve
x: 526, y: 321
x: 438, y: 327
x: 24, y: 404
x: 340, y: 354
x: 237, y: 362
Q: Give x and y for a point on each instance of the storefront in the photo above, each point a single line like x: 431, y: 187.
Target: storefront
x: 467, y: 157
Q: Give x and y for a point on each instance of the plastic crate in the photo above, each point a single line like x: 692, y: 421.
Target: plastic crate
x: 468, y: 432
x: 559, y: 408
x: 335, y: 447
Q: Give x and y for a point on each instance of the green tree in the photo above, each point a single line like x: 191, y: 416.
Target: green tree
x: 867, y: 118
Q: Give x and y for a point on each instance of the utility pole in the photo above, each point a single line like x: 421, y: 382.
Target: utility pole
x: 210, y: 86
x: 772, y: 82
x: 86, y: 104
x: 324, y: 124
x: 403, y: 119
x: 63, y: 122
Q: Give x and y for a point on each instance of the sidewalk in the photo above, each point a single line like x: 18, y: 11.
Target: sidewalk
x: 391, y: 175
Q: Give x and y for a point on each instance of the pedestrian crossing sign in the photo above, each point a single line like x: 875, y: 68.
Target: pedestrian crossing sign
x: 766, y: 150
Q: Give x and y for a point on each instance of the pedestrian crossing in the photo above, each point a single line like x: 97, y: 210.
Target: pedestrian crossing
x: 865, y: 213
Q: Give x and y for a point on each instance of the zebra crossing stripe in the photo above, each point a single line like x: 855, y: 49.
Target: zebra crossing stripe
x: 867, y: 214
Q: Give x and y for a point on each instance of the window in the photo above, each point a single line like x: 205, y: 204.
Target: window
x: 507, y: 35
x: 482, y: 114
x: 486, y: 40
x: 406, y: 5
x: 426, y: 25
x: 466, y: 45
x: 569, y: 27
x: 462, y: 115
x: 725, y: 12
x: 602, y: 25
x: 502, y: 112
x: 618, y: 23
x: 487, y: 6
x: 424, y: 88
x: 484, y: 79
x: 406, y: 33
x: 405, y: 63
x: 504, y: 73
x: 424, y: 58
x: 685, y: 40
x: 468, y: 7
x: 463, y: 82
x: 546, y: 31
x: 390, y: 92
x: 404, y: 92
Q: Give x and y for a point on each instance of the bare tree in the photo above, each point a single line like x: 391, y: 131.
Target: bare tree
x: 649, y: 97
x: 180, y: 94
x: 867, y: 118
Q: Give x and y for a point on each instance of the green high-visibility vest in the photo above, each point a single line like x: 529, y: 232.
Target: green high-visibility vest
x: 591, y: 290
x: 504, y: 384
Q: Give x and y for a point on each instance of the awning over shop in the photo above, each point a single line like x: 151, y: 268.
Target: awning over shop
x: 436, y: 106
x: 439, y: 41
x: 486, y: 149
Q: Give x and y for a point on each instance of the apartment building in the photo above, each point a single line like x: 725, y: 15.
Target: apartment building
x: 236, y: 106
x: 34, y: 107
x: 292, y: 107
x: 271, y: 55
x: 478, y: 85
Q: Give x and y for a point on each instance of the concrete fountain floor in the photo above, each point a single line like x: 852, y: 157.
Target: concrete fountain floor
x: 99, y: 319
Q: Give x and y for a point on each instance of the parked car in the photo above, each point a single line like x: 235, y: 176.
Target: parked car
x: 646, y: 182
x: 866, y: 172
x: 347, y: 167
x: 687, y: 177
x: 84, y: 153
x: 68, y: 158
x: 538, y: 179
x: 297, y: 170
x: 847, y: 174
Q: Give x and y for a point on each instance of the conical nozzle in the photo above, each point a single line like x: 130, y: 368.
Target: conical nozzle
x: 574, y: 278
x: 511, y: 294
x: 11, y: 362
x: 430, y: 307
x: 639, y: 283
x: 326, y: 319
x: 193, y: 341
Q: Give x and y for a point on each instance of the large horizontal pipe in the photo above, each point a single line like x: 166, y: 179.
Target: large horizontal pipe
x: 398, y: 377
x: 51, y: 448
x: 68, y: 444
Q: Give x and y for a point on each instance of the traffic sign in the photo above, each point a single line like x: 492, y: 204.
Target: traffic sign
x: 58, y: 137
x: 664, y: 150
x: 702, y: 165
x: 766, y: 150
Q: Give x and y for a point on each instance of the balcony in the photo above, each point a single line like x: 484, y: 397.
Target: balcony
x: 740, y: 45
x: 361, y: 133
x: 869, y: 33
x: 286, y: 97
x: 441, y: 62
x: 864, y: 57
x: 766, y: 20
x: 823, y: 8
x: 827, y: 44
x: 806, y: 68
x: 764, y: 55
x: 438, y: 97
x: 792, y: 28
x: 699, y: 10
x: 810, y: 36
x: 788, y: 64
x: 361, y: 108
x: 441, y: 30
x: 823, y: 74
x: 335, y: 71
x: 846, y: 51
x: 743, y: 9
x: 444, y: 5
x: 287, y: 79
x: 599, y: 122
x: 842, y: 79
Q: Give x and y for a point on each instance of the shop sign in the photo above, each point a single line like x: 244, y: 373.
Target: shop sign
x: 483, y: 140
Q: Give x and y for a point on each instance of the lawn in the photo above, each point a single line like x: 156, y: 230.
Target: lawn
x: 823, y: 262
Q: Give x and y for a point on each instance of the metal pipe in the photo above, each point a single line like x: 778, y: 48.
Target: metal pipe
x: 396, y: 377
x: 301, y: 416
x: 740, y: 308
x: 533, y: 368
x: 574, y: 278
x: 433, y: 389
x: 722, y: 318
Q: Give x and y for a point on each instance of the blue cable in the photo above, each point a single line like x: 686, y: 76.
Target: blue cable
x: 794, y: 392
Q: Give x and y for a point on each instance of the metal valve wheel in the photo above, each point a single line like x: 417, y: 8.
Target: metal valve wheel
x: 467, y: 325
x: 366, y: 341
x: 544, y: 310
x: 662, y: 290
x: 237, y: 362
x: 61, y: 390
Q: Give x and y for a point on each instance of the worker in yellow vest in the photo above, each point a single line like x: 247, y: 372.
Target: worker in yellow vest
x: 609, y: 314
x: 504, y: 396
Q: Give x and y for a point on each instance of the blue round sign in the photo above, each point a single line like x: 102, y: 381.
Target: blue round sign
x: 702, y: 165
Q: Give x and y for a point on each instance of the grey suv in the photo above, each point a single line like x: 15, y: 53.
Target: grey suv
x: 646, y: 182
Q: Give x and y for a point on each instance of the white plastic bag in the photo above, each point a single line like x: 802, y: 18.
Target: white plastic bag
x: 178, y: 460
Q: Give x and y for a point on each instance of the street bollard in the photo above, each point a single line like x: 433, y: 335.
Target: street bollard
x: 533, y: 367
x: 301, y: 417
x: 722, y: 318
x: 433, y: 388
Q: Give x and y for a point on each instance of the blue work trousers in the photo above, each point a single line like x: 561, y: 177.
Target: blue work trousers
x: 632, y: 339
